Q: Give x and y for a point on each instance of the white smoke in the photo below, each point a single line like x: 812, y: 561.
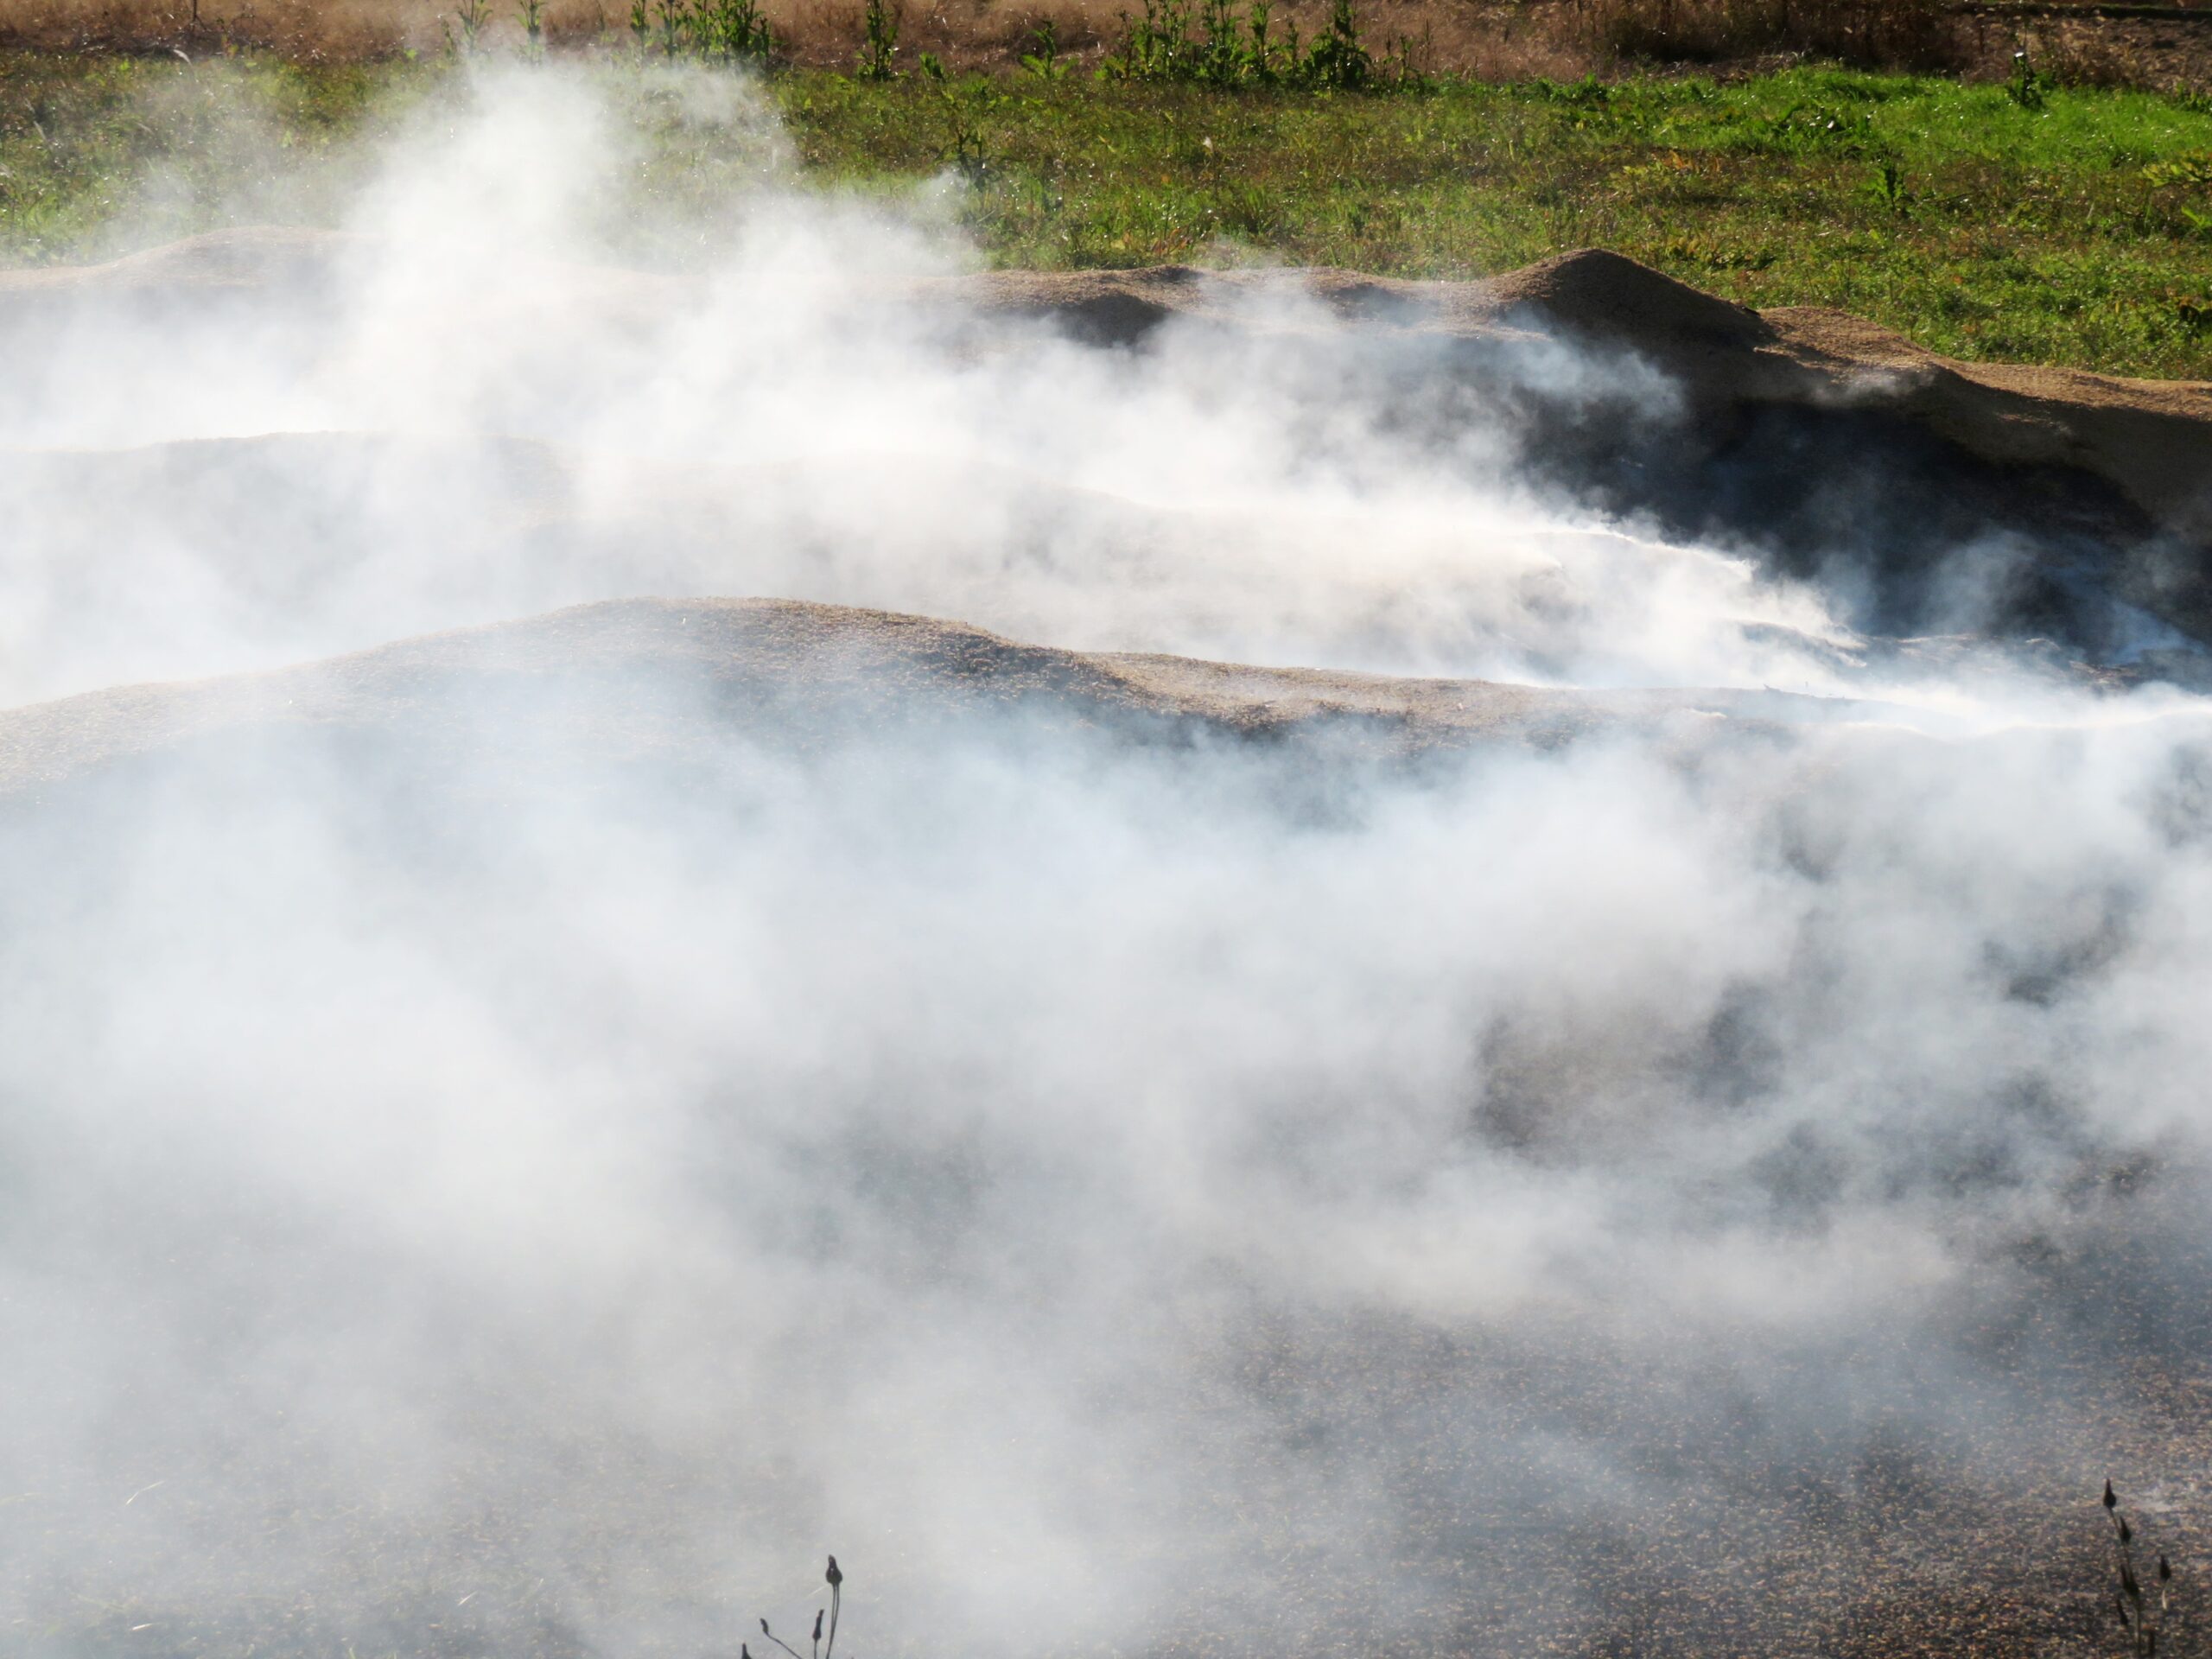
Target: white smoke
x: 1190, y: 1196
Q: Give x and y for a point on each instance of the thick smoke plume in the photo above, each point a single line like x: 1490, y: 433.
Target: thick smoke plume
x: 1705, y: 1187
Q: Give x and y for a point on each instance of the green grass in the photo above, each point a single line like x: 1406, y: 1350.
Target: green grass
x: 1976, y: 226
x: 1950, y: 213
x: 92, y: 146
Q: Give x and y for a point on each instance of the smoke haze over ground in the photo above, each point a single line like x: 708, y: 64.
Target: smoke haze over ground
x: 520, y: 1145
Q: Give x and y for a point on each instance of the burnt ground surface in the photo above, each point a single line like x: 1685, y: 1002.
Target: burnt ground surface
x: 1925, y: 496
x: 1926, y: 1484
x: 1931, y: 1488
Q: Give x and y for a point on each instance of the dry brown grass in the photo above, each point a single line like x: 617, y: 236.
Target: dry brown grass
x: 818, y: 31
x: 306, y: 28
x: 2094, y: 52
x: 1886, y: 33
x: 1492, y: 39
x: 2155, y: 53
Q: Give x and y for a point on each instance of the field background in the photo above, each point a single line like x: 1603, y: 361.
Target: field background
x: 2076, y: 231
x: 1873, y: 156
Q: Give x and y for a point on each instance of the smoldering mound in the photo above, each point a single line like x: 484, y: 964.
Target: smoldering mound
x: 517, y: 1135
x: 1919, y: 496
x: 795, y: 674
x: 1334, y: 967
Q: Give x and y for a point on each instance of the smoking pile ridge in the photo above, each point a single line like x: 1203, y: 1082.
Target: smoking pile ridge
x: 1195, y: 963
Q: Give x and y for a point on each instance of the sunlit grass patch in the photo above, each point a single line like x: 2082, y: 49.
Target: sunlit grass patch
x: 2077, y: 231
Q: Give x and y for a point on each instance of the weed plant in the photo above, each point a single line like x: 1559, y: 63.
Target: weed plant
x: 730, y: 31
x: 2027, y: 86
x: 2184, y: 186
x: 465, y: 28
x: 967, y: 106
x: 879, y: 50
x: 738, y: 30
x: 1214, y: 43
x: 1045, y: 62
x: 836, y: 1581
x: 2142, y: 1614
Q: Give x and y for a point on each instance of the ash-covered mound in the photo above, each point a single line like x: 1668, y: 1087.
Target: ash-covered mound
x: 1921, y: 494
x: 516, y: 1135
x: 1528, y: 978
x: 2062, y: 431
x: 657, y: 677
